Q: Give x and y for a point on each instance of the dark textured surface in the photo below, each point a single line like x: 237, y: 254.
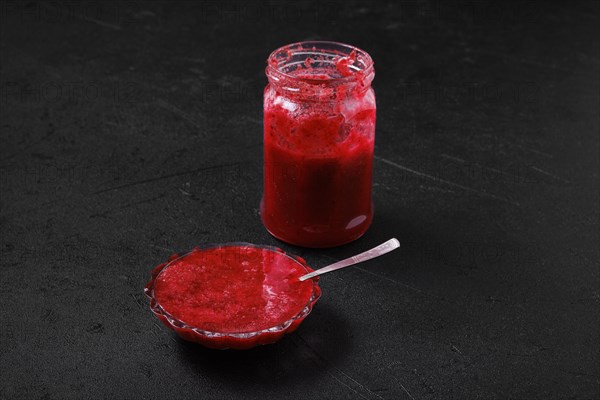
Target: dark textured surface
x: 133, y: 130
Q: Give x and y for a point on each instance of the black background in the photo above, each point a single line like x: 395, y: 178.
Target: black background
x: 133, y: 130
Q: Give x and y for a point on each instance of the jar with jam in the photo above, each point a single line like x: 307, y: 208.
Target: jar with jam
x: 319, y: 132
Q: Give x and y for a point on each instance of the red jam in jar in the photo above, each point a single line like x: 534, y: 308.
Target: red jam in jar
x: 319, y: 132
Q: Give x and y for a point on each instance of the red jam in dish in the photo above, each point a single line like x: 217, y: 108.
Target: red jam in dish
x: 319, y: 132
x: 233, y: 289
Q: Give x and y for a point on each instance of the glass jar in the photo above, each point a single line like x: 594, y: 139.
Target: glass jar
x: 319, y: 132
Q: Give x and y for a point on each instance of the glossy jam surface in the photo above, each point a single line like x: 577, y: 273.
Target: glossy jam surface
x: 233, y: 289
x: 318, y: 154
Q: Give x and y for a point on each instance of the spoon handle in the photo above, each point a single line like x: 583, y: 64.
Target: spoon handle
x: 380, y: 250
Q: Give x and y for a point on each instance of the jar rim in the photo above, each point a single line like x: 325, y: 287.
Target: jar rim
x: 278, y: 58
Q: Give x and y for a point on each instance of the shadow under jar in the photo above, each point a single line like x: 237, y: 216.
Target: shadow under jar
x: 319, y: 132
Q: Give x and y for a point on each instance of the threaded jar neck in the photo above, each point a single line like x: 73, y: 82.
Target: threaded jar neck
x: 319, y: 70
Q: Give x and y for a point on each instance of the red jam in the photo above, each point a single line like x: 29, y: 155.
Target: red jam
x: 319, y: 131
x: 233, y: 289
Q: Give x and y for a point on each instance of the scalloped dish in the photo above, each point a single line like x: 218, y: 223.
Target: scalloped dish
x: 235, y: 295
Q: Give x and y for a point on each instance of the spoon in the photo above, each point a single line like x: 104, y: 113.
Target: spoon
x: 377, y: 251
